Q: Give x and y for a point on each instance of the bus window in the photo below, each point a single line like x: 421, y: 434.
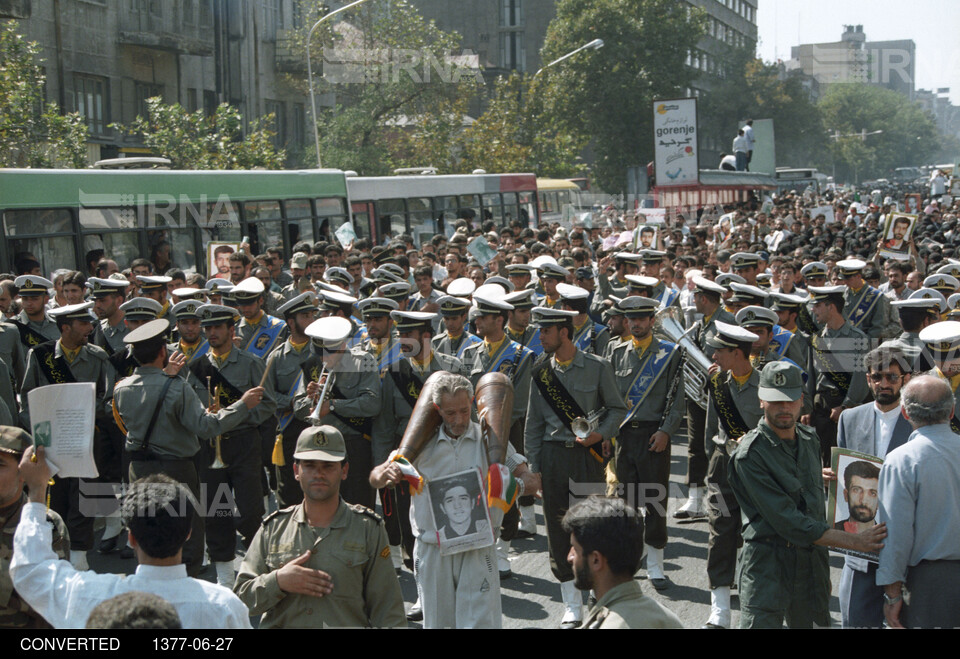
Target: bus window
x: 528, y: 209
x: 120, y: 246
x: 492, y: 208
x: 422, y: 224
x: 263, y: 224
x: 25, y: 223
x: 52, y: 251
x: 219, y: 222
x: 469, y: 207
x: 299, y: 220
x: 511, y: 210
x: 332, y: 214
x: 391, y: 218
x: 183, y: 254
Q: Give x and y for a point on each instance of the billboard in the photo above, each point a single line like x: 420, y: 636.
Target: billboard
x: 676, y: 158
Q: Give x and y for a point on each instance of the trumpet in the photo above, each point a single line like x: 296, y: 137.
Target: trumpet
x: 213, y: 402
x: 314, y: 417
x: 583, y: 427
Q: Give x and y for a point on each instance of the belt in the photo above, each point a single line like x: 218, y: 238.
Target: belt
x: 779, y: 542
x: 150, y: 456
x: 641, y: 424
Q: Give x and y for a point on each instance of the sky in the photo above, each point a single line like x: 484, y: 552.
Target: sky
x: 931, y: 24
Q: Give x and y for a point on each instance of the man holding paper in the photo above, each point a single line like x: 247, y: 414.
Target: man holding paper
x: 67, y: 360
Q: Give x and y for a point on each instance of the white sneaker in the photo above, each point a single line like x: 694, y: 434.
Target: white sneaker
x: 573, y: 603
x: 528, y: 522
x: 694, y: 508
x: 719, y: 608
x: 655, y: 569
x: 78, y: 559
x: 225, y: 574
x: 503, y: 558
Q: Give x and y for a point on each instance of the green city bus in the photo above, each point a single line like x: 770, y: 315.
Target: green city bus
x: 59, y: 216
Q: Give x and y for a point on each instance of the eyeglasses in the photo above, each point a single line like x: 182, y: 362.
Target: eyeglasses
x: 888, y: 377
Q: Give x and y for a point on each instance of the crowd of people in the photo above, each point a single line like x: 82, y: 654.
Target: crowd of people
x: 343, y: 381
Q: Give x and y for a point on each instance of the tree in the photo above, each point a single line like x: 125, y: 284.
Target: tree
x: 909, y: 134
x: 751, y: 88
x: 606, y: 96
x: 401, y: 95
x: 195, y: 141
x: 514, y: 135
x: 31, y: 134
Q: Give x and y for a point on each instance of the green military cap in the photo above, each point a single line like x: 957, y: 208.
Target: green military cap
x: 14, y: 440
x: 324, y: 443
x: 298, y: 261
x: 386, y: 256
x: 615, y: 309
x: 780, y: 382
x: 32, y: 285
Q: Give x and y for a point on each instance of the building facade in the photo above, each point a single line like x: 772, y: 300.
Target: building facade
x: 105, y: 58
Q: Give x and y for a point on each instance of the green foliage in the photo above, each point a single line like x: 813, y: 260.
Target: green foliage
x: 606, y: 96
x: 402, y: 103
x: 514, y: 135
x: 909, y: 135
x: 194, y: 141
x: 32, y: 135
x: 753, y: 89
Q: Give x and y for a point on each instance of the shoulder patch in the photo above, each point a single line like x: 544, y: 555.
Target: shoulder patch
x: 98, y: 352
x: 277, y: 513
x: 386, y: 552
x: 363, y: 510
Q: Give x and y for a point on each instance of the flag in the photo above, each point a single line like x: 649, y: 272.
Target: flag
x: 410, y: 474
x: 502, y: 487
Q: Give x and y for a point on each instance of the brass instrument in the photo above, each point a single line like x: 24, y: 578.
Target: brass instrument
x: 583, y: 427
x: 213, y: 402
x: 494, y: 396
x: 314, y: 417
x: 424, y: 422
x: 696, y: 365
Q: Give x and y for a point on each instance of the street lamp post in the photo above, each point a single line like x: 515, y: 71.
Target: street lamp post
x: 313, y: 100
x: 593, y: 45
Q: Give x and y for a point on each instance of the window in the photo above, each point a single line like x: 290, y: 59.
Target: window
x: 512, y: 53
x: 143, y: 91
x: 206, y: 13
x: 90, y: 102
x: 192, y: 99
x: 188, y: 12
x: 209, y: 102
x: 511, y: 13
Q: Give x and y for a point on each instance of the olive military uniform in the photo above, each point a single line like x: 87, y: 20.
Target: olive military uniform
x: 779, y: 487
x: 353, y: 551
x: 722, y: 506
x: 626, y: 607
x: 552, y: 450
x: 875, y: 319
x: 643, y: 474
x: 173, y: 443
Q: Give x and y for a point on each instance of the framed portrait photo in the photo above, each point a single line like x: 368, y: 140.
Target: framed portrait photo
x: 897, y: 232
x: 854, y: 499
x: 458, y: 504
x: 218, y: 258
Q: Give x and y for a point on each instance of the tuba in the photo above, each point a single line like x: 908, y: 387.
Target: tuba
x: 494, y: 396
x: 696, y: 365
x: 424, y: 421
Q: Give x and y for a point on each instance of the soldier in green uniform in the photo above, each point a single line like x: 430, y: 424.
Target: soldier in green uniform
x: 285, y: 366
x: 324, y: 562
x: 351, y: 402
x: 776, y: 476
x: 606, y: 538
x: 67, y: 360
x: 733, y: 410
x: 32, y: 322
x: 164, y: 421
x: 455, y: 338
x: 836, y: 370
x: 650, y: 380
x: 14, y: 612
x: 568, y: 384
x: 708, y: 299
x: 550, y: 275
x: 108, y: 295
x: 231, y: 372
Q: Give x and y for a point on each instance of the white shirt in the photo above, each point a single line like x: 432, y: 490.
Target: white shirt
x: 740, y: 144
x: 883, y: 428
x: 65, y: 597
x: 748, y: 133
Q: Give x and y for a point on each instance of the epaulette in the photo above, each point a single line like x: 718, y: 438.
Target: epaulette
x: 275, y: 513
x: 363, y: 510
x: 98, y: 352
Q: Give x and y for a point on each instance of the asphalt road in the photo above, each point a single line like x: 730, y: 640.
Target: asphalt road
x: 531, y: 597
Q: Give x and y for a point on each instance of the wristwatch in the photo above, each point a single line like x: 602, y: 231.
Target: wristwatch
x: 331, y: 405
x: 891, y: 600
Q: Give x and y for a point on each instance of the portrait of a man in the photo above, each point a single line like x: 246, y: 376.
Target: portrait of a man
x: 860, y: 482
x: 218, y: 259
x: 898, y: 233
x: 459, y: 506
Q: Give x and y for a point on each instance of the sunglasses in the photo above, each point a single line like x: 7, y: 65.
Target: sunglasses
x: 890, y: 378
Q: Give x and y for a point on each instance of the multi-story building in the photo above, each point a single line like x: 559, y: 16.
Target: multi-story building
x: 853, y: 59
x: 104, y: 58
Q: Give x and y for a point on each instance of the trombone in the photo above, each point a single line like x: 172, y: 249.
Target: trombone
x: 213, y: 402
x: 327, y: 377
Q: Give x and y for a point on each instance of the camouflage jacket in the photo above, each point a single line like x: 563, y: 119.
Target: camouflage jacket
x: 14, y: 612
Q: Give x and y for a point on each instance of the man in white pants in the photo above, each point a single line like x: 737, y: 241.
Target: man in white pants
x: 460, y: 590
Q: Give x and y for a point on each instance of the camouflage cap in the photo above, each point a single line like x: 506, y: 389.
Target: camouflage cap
x: 14, y: 440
